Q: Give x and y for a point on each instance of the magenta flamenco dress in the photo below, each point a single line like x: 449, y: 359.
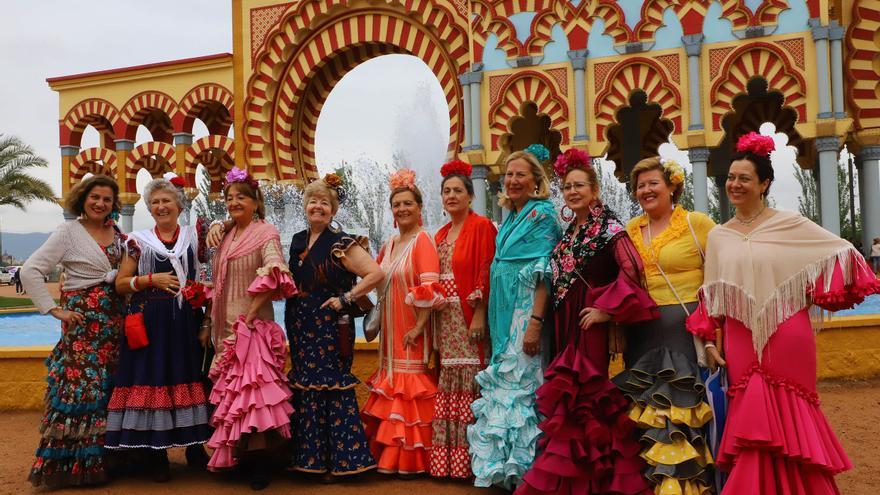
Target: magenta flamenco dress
x: 589, y: 444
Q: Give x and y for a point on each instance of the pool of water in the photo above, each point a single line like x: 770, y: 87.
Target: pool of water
x: 28, y: 329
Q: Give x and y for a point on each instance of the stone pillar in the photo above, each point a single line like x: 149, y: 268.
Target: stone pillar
x: 693, y: 44
x: 182, y: 142
x: 127, y: 214
x: 869, y: 194
x: 478, y: 176
x: 466, y: 109
x: 495, y: 188
x: 836, y: 34
x: 699, y: 158
x: 723, y: 200
x: 123, y: 148
x: 823, y: 71
x: 68, y: 153
x: 185, y: 214
x: 473, y: 80
x: 68, y: 215
x: 579, y: 64
x: 829, y: 196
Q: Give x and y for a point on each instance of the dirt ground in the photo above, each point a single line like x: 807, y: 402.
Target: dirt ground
x: 9, y: 290
x: 853, y: 408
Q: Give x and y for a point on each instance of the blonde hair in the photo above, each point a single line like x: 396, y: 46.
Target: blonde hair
x: 320, y: 188
x: 541, y: 179
x: 653, y: 163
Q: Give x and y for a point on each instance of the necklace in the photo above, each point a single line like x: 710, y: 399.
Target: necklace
x: 750, y: 220
x: 173, y: 238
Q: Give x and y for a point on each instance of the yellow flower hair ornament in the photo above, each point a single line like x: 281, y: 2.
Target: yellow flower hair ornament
x: 673, y: 170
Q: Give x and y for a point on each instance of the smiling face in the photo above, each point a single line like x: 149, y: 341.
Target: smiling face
x: 577, y: 191
x: 319, y: 211
x: 98, y: 203
x: 164, y: 208
x: 405, y: 209
x: 239, y: 205
x: 456, y: 198
x: 743, y: 186
x: 652, y: 191
x: 519, y: 182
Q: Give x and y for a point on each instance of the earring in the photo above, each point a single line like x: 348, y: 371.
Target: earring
x: 395, y: 223
x: 566, y: 217
x: 444, y: 213
x: 420, y: 222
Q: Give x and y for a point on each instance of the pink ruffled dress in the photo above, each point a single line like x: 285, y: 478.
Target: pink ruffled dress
x: 251, y: 393
x: 777, y: 440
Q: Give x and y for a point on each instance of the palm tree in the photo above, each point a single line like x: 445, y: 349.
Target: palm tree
x: 17, y: 188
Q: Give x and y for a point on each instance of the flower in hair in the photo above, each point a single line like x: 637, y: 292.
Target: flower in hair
x: 539, y: 151
x: 673, y: 170
x: 174, y: 179
x: 334, y: 182
x: 403, y: 179
x: 756, y: 144
x: 239, y: 175
x: 572, y: 158
x: 456, y: 167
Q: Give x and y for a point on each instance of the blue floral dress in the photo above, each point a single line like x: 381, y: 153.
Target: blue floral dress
x: 329, y: 435
x: 504, y: 437
x: 80, y: 371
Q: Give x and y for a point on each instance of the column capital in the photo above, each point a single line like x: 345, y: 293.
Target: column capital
x: 870, y: 153
x: 827, y: 143
x: 819, y: 31
x: 183, y: 138
x: 127, y: 210
x: 836, y: 32
x: 464, y: 79
x: 578, y: 58
x: 68, y: 150
x: 693, y: 44
x: 124, y: 144
x: 698, y: 155
x: 479, y: 172
x: 471, y: 77
x: 68, y: 215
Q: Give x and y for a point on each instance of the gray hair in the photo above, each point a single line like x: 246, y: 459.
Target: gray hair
x: 164, y: 185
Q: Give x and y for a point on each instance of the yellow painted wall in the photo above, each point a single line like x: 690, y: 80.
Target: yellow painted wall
x: 849, y: 348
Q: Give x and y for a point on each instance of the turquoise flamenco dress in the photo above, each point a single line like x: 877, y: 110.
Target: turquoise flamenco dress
x: 504, y: 436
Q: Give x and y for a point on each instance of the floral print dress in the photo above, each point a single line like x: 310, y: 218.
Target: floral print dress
x: 81, y: 367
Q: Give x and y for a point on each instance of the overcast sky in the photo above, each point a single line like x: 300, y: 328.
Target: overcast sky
x: 53, y: 38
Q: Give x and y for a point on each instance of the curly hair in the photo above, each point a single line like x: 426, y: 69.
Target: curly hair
x: 164, y: 185
x: 653, y: 163
x: 76, y: 197
x: 320, y: 188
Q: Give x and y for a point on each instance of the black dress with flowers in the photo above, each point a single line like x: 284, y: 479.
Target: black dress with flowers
x: 329, y: 434
x: 80, y: 368
x: 159, y: 400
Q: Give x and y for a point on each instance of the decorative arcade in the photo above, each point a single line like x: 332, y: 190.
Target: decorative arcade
x: 616, y: 78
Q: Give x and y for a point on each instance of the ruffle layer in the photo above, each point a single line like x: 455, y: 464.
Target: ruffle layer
x: 68, y: 471
x: 625, y: 300
x: 57, y: 425
x: 184, y: 395
x: 668, y: 406
x: 426, y: 295
x: 250, y: 390
x: 776, y: 436
x: 588, y: 446
x: 157, y: 420
x: 504, y: 437
x: 274, y: 277
x: 840, y: 296
x: 397, y: 418
x: 701, y: 324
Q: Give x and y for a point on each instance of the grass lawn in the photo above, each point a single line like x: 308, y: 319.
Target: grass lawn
x: 15, y: 302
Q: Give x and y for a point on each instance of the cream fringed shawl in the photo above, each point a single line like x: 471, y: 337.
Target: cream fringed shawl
x: 765, y: 277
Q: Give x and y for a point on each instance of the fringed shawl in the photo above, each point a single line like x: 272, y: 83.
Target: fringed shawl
x: 765, y: 277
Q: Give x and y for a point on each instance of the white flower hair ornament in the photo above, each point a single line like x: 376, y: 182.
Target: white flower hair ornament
x: 673, y: 170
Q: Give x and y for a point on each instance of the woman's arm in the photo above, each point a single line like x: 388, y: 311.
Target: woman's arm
x: 358, y: 261
x: 126, y: 272
x: 39, y: 265
x: 532, y: 337
x: 422, y: 315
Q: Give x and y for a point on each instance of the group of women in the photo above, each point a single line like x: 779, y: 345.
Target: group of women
x: 494, y: 346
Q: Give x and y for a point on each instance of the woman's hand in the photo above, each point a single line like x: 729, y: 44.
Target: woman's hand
x: 215, y: 235
x: 532, y: 337
x: 477, y: 332
x: 592, y: 316
x: 69, y: 317
x: 333, y: 303
x: 167, y: 282
x: 204, y: 335
x: 410, y: 338
x: 713, y: 358
x: 249, y: 318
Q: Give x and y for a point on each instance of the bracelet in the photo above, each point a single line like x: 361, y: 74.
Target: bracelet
x: 217, y: 222
x: 539, y: 318
x: 150, y: 282
x: 133, y: 284
x: 710, y: 345
x: 346, y: 298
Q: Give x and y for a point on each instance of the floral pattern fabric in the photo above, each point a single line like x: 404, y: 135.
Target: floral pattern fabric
x: 80, y: 370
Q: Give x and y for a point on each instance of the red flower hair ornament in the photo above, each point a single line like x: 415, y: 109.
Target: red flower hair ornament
x: 456, y: 167
x: 572, y: 158
x: 175, y: 180
x: 756, y: 144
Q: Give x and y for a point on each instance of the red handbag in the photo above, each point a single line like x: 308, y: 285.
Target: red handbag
x: 136, y: 331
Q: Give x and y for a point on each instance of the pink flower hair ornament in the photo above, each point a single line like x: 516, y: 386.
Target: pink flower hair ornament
x: 572, y: 158
x: 239, y: 175
x: 756, y: 144
x: 404, y: 178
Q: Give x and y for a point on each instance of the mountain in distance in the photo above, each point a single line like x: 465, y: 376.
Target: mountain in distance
x: 23, y: 245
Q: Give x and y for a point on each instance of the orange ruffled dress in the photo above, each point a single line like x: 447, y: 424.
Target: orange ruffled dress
x: 399, y: 411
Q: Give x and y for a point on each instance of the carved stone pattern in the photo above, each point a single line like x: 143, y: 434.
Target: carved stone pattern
x: 795, y: 48
x: 601, y: 72
x: 561, y: 78
x: 495, y: 83
x: 671, y: 63
x: 262, y: 21
x: 716, y: 59
x: 461, y: 7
